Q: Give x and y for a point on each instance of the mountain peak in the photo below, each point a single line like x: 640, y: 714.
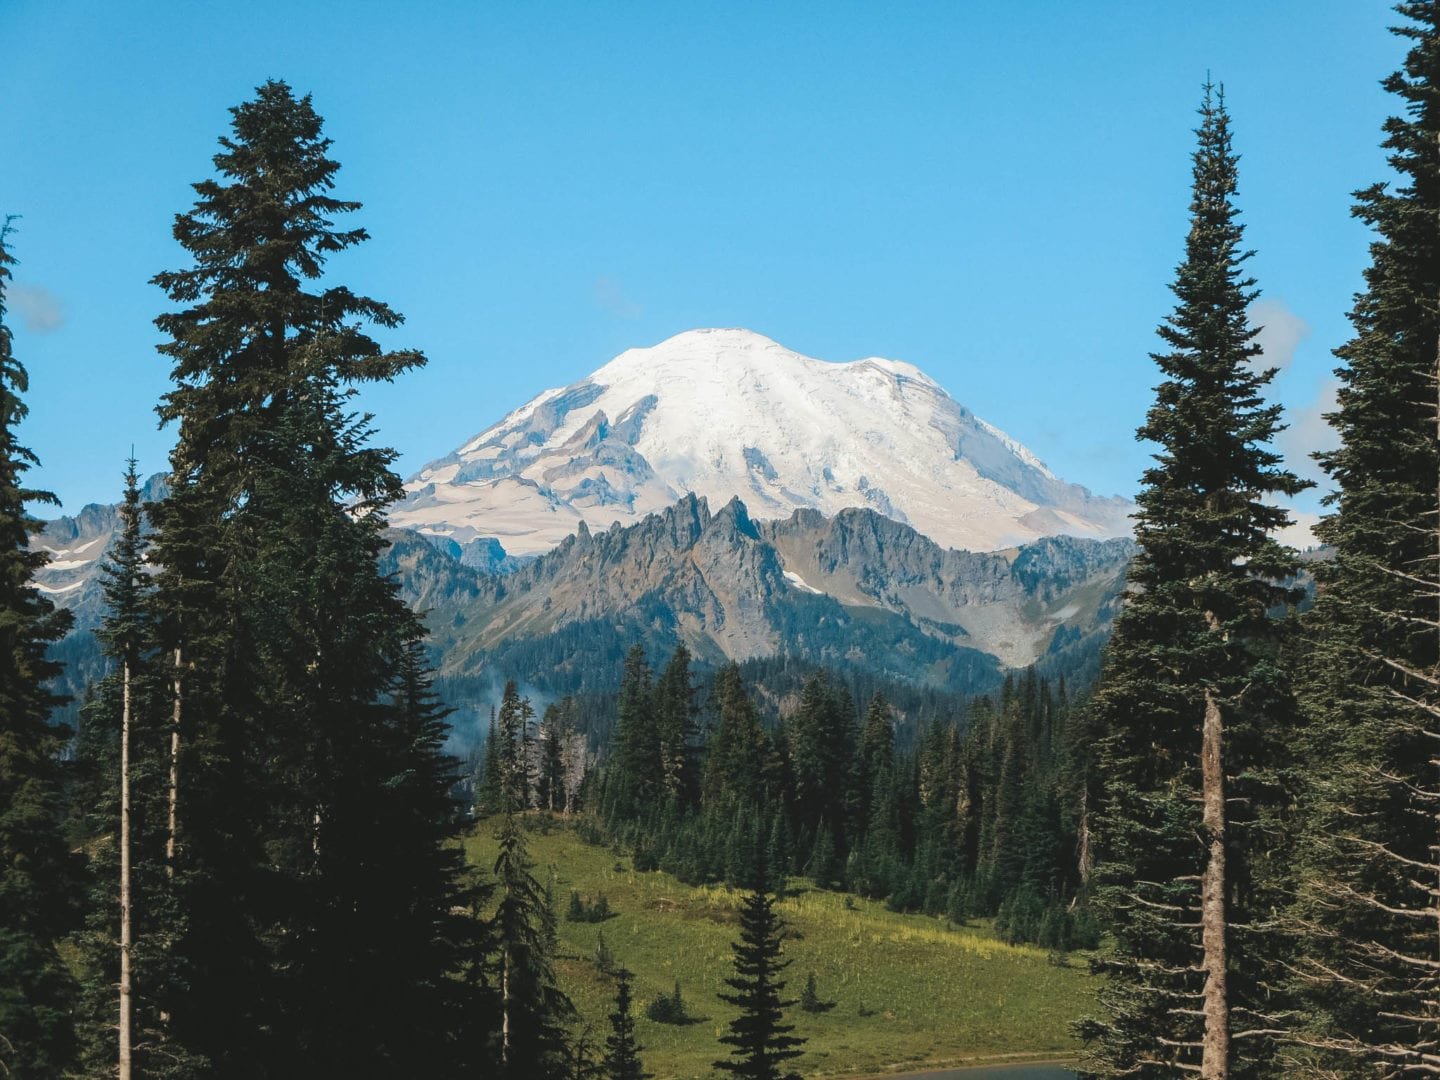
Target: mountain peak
x: 730, y: 413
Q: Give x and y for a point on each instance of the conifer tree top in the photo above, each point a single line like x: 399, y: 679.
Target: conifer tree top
x: 248, y: 333
x: 1203, y: 508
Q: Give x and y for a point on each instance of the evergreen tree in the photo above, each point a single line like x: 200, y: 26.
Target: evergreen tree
x: 121, y: 765
x: 489, y: 786
x: 675, y: 727
x: 777, y: 853
x: 760, y: 1040
x: 417, y: 885
x: 821, y: 740
x: 738, y: 754
x: 637, y: 740
x: 125, y: 633
x: 304, y: 776
x: 1369, y: 907
x: 38, y: 878
x: 810, y: 997
x: 1194, y: 705
x: 877, y: 751
x: 533, y: 1007
x: 622, y: 1051
x: 550, y: 784
x: 513, y: 751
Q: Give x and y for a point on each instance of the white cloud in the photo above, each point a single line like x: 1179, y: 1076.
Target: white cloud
x: 1300, y: 533
x: 610, y: 296
x: 1281, y: 332
x: 1309, y: 431
x: 38, y: 307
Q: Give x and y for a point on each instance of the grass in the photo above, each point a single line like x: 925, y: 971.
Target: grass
x: 909, y: 990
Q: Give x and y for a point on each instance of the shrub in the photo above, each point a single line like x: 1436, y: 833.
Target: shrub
x: 670, y: 1009
x: 810, y: 997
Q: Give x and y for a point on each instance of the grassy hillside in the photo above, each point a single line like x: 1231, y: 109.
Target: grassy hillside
x: 907, y: 989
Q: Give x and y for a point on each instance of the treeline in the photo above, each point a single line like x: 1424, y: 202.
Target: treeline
x: 982, y: 814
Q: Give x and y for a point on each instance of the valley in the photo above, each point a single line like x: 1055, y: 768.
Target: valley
x: 909, y: 992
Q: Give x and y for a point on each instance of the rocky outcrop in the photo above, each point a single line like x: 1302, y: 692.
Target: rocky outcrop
x: 858, y: 589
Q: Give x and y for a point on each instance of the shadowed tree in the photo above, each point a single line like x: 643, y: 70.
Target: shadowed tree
x: 38, y: 878
x: 311, y: 854
x: 1369, y: 907
x: 622, y: 1052
x: 761, y: 1042
x: 534, y: 1008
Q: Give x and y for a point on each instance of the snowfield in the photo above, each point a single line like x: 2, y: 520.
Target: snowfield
x: 725, y: 413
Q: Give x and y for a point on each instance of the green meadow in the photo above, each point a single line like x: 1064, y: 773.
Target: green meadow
x: 908, y: 991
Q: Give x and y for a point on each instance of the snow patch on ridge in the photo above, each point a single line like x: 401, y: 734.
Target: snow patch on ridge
x: 801, y: 584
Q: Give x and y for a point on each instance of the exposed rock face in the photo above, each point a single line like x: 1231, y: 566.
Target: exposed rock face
x: 77, y: 546
x: 854, y: 590
x: 858, y: 589
x: 1007, y: 603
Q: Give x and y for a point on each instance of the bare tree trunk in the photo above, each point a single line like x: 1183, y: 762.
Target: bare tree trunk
x: 1215, y: 1046
x: 1435, y: 907
x: 172, y: 821
x: 505, y: 1013
x: 1085, y: 859
x: 127, y: 1022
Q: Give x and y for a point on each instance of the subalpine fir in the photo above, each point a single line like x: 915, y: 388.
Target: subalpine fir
x: 1193, y: 705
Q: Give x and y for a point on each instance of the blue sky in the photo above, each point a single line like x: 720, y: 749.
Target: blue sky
x: 994, y: 192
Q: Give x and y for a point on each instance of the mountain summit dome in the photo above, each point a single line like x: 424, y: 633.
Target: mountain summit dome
x: 730, y: 413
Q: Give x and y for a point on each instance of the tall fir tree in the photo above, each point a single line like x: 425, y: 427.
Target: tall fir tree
x: 532, y: 1043
x: 1369, y: 909
x: 512, y: 727
x: 760, y: 1040
x: 738, y: 756
x: 821, y: 741
x: 637, y: 741
x: 1195, y: 707
x: 877, y: 751
x: 489, y: 782
x: 622, y: 1050
x: 116, y: 752
x: 675, y: 727
x: 302, y: 780
x: 550, y: 777
x: 38, y: 876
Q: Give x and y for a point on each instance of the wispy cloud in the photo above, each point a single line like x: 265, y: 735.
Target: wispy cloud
x: 1309, y: 431
x: 1300, y: 533
x: 1281, y: 331
x: 610, y: 296
x: 39, y: 309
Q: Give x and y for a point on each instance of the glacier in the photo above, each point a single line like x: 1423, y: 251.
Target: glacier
x: 729, y: 413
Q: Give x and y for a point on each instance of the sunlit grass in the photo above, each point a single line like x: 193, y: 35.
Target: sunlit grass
x: 908, y: 989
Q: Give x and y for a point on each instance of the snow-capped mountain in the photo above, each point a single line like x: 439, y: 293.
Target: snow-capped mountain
x: 731, y: 414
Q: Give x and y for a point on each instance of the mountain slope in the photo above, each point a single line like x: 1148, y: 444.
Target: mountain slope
x: 858, y: 590
x: 77, y: 546
x: 731, y: 414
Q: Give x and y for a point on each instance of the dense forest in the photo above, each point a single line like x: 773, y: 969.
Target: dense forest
x: 244, y: 860
x: 980, y: 812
